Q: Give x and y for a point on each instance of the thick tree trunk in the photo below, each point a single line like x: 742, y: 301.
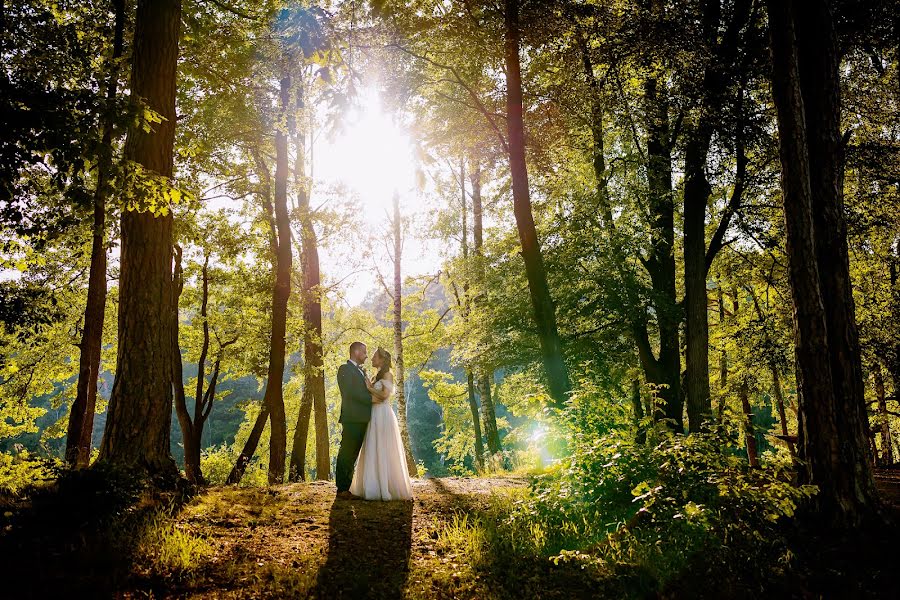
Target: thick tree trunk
x: 246, y: 455
x: 832, y: 432
x: 696, y: 356
x: 749, y: 431
x: 274, y: 398
x: 661, y: 262
x: 140, y: 407
x: 398, y: 339
x: 542, y: 303
x: 81, y: 416
x: 476, y: 422
x: 887, y: 454
x: 314, y: 375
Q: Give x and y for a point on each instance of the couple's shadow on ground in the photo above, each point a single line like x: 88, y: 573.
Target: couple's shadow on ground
x: 369, y: 545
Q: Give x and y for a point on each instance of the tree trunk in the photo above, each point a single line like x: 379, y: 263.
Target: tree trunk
x: 246, y: 455
x: 140, y: 407
x: 191, y: 467
x: 661, y: 262
x: 749, y: 432
x: 723, y: 359
x: 81, y: 415
x: 887, y: 454
x: 485, y: 375
x: 314, y: 374
x: 832, y: 431
x: 696, y: 197
x: 476, y: 422
x: 398, y: 339
x: 274, y: 398
x: 638, y: 411
x: 782, y: 414
x: 542, y: 303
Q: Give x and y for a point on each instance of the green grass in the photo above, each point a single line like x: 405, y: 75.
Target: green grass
x: 167, y: 545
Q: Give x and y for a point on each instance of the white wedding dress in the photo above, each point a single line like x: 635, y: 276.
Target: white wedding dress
x: 381, y: 472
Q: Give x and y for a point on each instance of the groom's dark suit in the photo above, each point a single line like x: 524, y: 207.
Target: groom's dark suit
x: 356, y: 410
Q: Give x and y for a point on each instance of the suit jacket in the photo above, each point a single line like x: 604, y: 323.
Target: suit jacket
x: 356, y: 400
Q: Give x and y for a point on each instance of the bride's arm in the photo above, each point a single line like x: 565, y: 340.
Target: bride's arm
x: 378, y: 395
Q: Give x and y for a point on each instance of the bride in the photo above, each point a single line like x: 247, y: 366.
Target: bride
x: 381, y: 470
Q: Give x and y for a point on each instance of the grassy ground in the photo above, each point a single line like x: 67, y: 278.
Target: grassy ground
x: 297, y: 541
x: 290, y: 541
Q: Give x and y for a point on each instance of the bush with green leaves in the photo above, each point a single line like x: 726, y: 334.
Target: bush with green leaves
x: 683, y: 502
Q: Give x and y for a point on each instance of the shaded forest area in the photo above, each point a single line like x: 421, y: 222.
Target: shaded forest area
x: 660, y: 354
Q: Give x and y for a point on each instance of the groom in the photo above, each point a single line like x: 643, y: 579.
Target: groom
x: 356, y: 410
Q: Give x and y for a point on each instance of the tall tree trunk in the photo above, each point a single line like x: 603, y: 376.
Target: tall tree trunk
x: 749, y: 431
x: 246, y: 455
x: 398, y: 339
x: 140, y: 407
x: 661, y: 262
x: 782, y: 414
x: 473, y: 406
x: 265, y: 197
x: 274, y: 398
x: 832, y: 431
x: 314, y: 375
x: 542, y: 303
x: 723, y: 359
x: 887, y: 454
x: 696, y: 197
x: 191, y: 468
x: 485, y: 374
x: 81, y: 415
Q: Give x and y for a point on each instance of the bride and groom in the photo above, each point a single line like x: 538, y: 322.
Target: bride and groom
x: 371, y: 436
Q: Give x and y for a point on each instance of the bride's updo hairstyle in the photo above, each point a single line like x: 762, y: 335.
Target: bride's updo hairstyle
x: 386, y: 363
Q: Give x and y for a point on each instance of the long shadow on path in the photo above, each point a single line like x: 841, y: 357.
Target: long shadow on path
x: 369, y: 547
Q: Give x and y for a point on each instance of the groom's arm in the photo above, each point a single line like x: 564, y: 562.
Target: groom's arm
x: 352, y: 386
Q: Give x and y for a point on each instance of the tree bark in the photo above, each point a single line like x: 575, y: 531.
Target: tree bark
x: 637, y: 408
x: 140, y: 407
x: 832, y: 432
x: 398, y: 339
x: 696, y: 356
x: 749, y: 432
x: 246, y: 455
x: 661, y: 262
x: 485, y: 375
x: 314, y: 375
x: 191, y: 468
x: 274, y: 398
x: 81, y: 416
x: 782, y: 414
x: 542, y: 302
x: 887, y: 454
x: 473, y: 406
x: 723, y: 359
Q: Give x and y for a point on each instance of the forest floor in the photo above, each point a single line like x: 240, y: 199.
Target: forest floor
x: 298, y: 541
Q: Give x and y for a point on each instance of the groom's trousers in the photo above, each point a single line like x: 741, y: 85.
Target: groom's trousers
x: 351, y: 442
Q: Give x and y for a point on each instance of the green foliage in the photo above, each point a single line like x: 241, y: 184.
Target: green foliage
x: 23, y: 471
x: 666, y: 505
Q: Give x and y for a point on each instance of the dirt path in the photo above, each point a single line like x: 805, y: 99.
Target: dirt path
x: 298, y: 541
